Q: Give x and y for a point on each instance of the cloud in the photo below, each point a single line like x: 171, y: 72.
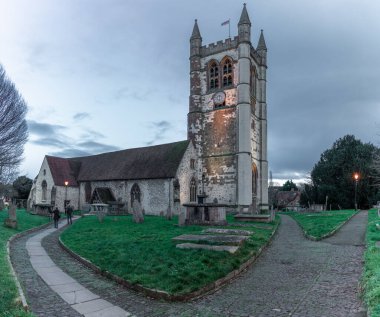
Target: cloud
x: 91, y: 134
x: 85, y: 149
x: 81, y: 115
x: 43, y: 129
x: 96, y: 147
x: 160, y: 128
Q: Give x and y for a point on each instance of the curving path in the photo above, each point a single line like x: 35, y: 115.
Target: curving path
x: 293, y: 277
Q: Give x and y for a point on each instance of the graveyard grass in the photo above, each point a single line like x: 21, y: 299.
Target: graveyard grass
x: 320, y: 224
x: 8, y: 290
x: 371, y: 275
x: 145, y: 253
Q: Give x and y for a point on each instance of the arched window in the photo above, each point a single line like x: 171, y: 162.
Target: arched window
x: 254, y: 179
x: 227, y: 72
x: 53, y: 195
x: 135, y: 193
x: 44, y: 190
x: 193, y: 190
x: 87, y: 191
x: 214, y: 75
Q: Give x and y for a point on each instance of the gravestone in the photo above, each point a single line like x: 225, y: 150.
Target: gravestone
x: 182, y: 216
x: 11, y: 221
x: 169, y: 214
x: 2, y: 206
x: 138, y: 216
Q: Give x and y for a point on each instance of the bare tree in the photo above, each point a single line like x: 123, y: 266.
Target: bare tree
x: 13, y: 127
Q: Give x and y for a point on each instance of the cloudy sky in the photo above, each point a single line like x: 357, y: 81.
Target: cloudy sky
x: 103, y: 75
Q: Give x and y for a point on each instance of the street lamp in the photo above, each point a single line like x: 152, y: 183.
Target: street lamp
x: 356, y: 177
x: 64, y: 204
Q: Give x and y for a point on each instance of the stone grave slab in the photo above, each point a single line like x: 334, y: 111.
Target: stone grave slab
x: 377, y: 244
x: 228, y: 231
x: 221, y: 239
x: 229, y: 248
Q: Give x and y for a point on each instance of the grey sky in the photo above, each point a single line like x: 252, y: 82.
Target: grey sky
x: 106, y: 75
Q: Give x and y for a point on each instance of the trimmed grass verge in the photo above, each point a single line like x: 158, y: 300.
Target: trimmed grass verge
x: 320, y: 225
x: 371, y: 275
x: 144, y: 254
x: 9, y: 304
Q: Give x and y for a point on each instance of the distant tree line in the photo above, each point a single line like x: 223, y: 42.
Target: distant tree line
x: 333, y: 175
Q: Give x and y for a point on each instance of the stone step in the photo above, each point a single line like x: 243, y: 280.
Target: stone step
x: 229, y: 248
x: 221, y: 239
x: 228, y: 231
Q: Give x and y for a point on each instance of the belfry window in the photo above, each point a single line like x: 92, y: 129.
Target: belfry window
x: 227, y: 73
x: 214, y: 76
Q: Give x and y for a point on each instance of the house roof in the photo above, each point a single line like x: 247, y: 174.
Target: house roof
x: 159, y: 161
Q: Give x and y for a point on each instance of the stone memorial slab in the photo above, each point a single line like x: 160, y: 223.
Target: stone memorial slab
x: 221, y: 239
x: 377, y: 244
x: 11, y: 221
x: 228, y: 231
x: 227, y: 248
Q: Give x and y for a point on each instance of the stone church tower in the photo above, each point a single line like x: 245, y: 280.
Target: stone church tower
x: 227, y: 118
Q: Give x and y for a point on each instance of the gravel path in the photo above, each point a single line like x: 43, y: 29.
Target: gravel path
x: 293, y: 277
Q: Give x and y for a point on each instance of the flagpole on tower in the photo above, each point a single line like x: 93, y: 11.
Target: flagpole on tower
x: 229, y: 27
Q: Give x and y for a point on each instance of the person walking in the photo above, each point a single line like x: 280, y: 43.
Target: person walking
x: 69, y: 214
x: 56, y: 216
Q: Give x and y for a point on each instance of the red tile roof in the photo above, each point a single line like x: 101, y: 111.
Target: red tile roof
x: 61, y: 170
x: 159, y: 161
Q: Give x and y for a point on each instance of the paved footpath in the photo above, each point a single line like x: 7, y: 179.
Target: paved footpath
x: 293, y: 277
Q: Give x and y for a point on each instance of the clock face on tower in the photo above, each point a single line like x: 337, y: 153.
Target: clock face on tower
x: 219, y: 98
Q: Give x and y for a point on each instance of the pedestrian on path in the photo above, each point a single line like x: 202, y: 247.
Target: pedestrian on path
x: 69, y: 214
x: 56, y: 216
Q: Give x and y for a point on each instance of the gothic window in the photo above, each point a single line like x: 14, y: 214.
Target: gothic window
x: 254, y: 180
x: 214, y: 75
x: 44, y: 190
x: 135, y: 193
x: 87, y: 192
x: 193, y: 190
x: 192, y: 164
x: 53, y: 195
x: 227, y: 72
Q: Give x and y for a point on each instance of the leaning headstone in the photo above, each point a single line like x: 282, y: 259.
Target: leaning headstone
x: 2, y: 206
x: 138, y: 216
x: 11, y: 221
x: 182, y: 216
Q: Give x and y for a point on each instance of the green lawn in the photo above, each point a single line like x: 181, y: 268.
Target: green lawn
x: 320, y: 224
x: 146, y: 255
x: 371, y: 275
x: 8, y: 291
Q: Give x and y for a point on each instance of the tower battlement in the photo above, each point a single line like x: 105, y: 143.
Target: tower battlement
x: 219, y: 46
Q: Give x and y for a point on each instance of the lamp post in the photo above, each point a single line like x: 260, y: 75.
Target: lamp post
x: 356, y: 177
x: 64, y: 204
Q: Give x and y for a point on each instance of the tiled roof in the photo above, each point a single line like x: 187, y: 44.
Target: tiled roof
x: 61, y: 171
x: 159, y: 161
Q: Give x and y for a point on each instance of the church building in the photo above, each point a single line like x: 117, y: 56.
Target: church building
x: 224, y: 158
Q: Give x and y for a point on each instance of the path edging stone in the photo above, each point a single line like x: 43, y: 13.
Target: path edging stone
x: 22, y: 297
x: 162, y: 295
x: 329, y: 234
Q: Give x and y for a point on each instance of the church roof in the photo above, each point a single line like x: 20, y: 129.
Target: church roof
x: 159, y: 161
x: 61, y: 171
